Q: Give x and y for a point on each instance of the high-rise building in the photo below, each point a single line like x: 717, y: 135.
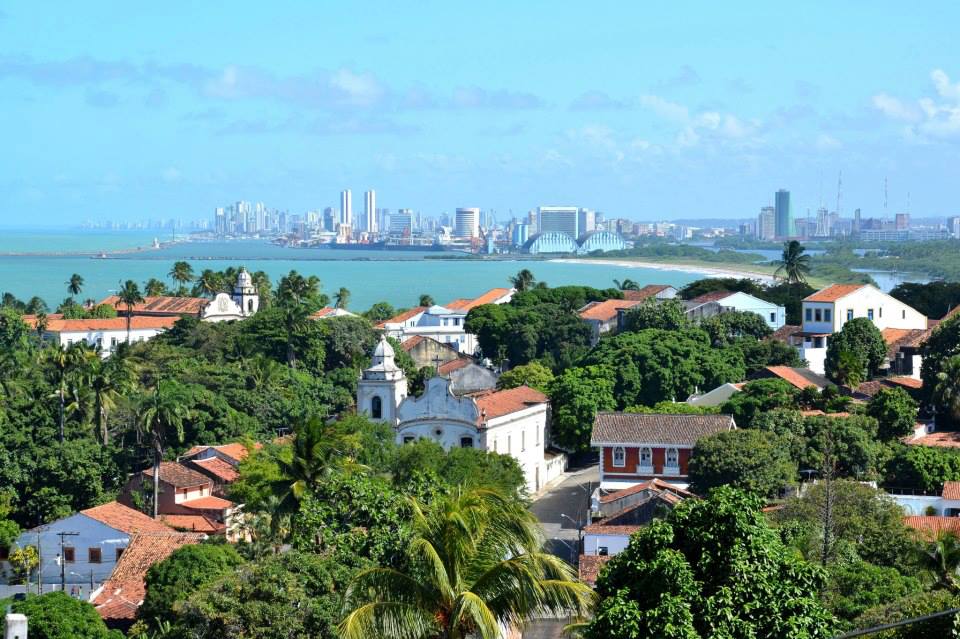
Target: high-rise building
x: 953, y: 227
x: 521, y: 233
x: 564, y: 219
x: 902, y: 221
x: 586, y: 221
x: 467, y: 223
x: 856, y: 222
x: 767, y: 223
x: 220, y: 217
x: 370, y: 211
x: 329, y: 219
x: 401, y: 223
x: 532, y: 221
x: 784, y: 221
x: 346, y: 208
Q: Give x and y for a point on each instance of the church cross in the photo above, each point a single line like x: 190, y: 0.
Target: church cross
x: 436, y: 364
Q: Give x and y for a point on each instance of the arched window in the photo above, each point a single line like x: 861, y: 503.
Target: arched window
x: 673, y: 457
x: 249, y: 306
x: 376, y: 407
x: 466, y: 442
x: 646, y: 456
x: 619, y: 456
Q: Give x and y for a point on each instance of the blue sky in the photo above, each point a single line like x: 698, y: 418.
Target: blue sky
x: 643, y: 110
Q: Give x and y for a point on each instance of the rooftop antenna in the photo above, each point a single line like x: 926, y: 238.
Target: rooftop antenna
x: 839, y: 190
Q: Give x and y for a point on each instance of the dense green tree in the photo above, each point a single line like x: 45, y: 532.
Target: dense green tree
x: 794, y: 265
x: 895, y: 412
x: 380, y: 311
x: 922, y: 467
x: 941, y: 345
x: 673, y: 408
x: 849, y: 444
x: 860, y: 339
x: 934, y: 299
x: 475, y: 563
x: 943, y: 557
x: 946, y: 392
x: 913, y: 605
x: 534, y: 375
x: 668, y: 315
x: 711, y: 568
x: 185, y: 571
x: 790, y: 296
x: 56, y: 615
x: 855, y: 587
x: 756, y: 461
x: 725, y: 328
x: 758, y: 354
x: 457, y: 467
x: 576, y: 396
x: 758, y: 397
x: 714, y: 284
x: 296, y: 290
x: 425, y: 300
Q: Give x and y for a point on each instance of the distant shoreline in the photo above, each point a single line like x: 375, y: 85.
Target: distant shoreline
x: 720, y: 271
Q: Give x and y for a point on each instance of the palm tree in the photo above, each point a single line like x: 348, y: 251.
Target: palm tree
x: 75, y: 285
x: 182, y: 274
x: 264, y: 288
x: 295, y: 318
x: 523, y: 281
x: 130, y: 296
x: 475, y: 565
x: 794, y: 265
x: 946, y: 392
x: 342, y: 298
x: 62, y: 361
x: 297, y: 289
x: 426, y: 300
x: 208, y: 284
x: 162, y: 412
x: 106, y: 382
x: 154, y: 288
x: 944, y: 557
x: 42, y: 322
x: 626, y: 285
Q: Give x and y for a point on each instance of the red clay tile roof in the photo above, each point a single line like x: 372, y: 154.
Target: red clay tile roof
x: 903, y: 380
x: 402, y: 317
x: 951, y: 313
x: 489, y: 297
x: 162, y: 305
x: 123, y: 593
x: 897, y: 338
x: 193, y: 523
x: 712, y: 296
x: 454, y: 364
x: 632, y: 428
x: 109, y: 324
x: 655, y: 484
x: 783, y: 333
x: 600, y: 528
x: 833, y: 292
x: 323, y: 312
x: 234, y: 450
x: 606, y: 310
x: 820, y: 413
x: 940, y: 439
x: 871, y: 388
x: 495, y: 404
x: 589, y: 567
x: 951, y: 490
x: 123, y: 518
x: 207, y: 503
x: 930, y: 527
x: 646, y: 292
x: 224, y: 471
x: 799, y: 377
x: 178, y: 475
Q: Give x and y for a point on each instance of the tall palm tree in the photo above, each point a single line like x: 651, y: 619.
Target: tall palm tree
x: 264, y: 287
x: 295, y: 318
x: 944, y: 559
x: 209, y: 283
x: 297, y: 289
x: 794, y: 265
x: 342, y: 298
x: 162, y: 413
x: 182, y: 274
x: 627, y: 285
x: 75, y: 285
x: 42, y: 322
x: 130, y: 296
x: 523, y: 280
x: 475, y: 565
x: 154, y: 287
x: 61, y: 363
x: 108, y: 379
x: 426, y: 300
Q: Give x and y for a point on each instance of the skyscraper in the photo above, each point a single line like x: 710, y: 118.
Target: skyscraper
x: 767, y: 223
x: 586, y: 221
x: 467, y: 223
x: 346, y: 208
x: 784, y: 222
x: 565, y: 219
x: 370, y: 211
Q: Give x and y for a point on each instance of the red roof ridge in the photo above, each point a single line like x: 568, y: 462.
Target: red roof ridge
x: 493, y: 404
x: 123, y: 518
x: 833, y: 292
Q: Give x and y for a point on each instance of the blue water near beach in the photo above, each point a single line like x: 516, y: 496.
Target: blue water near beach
x: 397, y: 277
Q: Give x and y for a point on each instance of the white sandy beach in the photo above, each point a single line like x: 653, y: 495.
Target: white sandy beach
x: 687, y: 268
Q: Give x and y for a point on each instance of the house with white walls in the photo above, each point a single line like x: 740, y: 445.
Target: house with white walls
x: 716, y: 302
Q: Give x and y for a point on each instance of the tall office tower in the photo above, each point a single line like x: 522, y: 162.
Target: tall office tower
x: 953, y: 226
x: 784, y: 223
x: 467, y: 223
x: 532, y: 221
x: 370, y: 211
x: 823, y: 222
x: 220, y: 217
x: 329, y: 219
x: 767, y: 223
x: 902, y: 221
x: 856, y: 222
x: 559, y: 218
x: 586, y: 220
x: 346, y: 208
x: 401, y: 223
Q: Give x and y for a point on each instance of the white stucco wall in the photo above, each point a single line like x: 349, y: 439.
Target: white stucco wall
x: 110, y: 338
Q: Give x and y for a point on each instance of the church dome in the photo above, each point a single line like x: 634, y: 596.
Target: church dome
x: 383, y: 349
x: 243, y: 279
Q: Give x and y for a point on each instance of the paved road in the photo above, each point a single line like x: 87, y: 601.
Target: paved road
x: 571, y: 498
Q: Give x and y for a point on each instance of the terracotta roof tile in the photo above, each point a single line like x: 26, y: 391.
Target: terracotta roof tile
x: 712, y: 296
x: 833, y: 292
x: 799, y: 377
x: 646, y: 292
x: 590, y: 566
x: 953, y: 312
x: 167, y: 305
x: 606, y: 310
x: 783, y: 333
x: 123, y: 518
x: 109, y: 324
x: 939, y: 439
x: 499, y: 403
x: 455, y: 364
x: 224, y: 471
x: 930, y: 527
x: 123, y: 593
x: 633, y: 428
x: 235, y: 450
x: 207, y: 503
x: 600, y: 528
x: 951, y: 490
x: 489, y: 297
x: 323, y: 312
x: 402, y: 317
x: 650, y: 484
x: 193, y: 523
x: 178, y: 475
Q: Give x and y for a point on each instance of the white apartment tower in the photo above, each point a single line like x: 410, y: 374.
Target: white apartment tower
x: 370, y: 211
x: 565, y: 219
x: 346, y: 208
x: 467, y: 223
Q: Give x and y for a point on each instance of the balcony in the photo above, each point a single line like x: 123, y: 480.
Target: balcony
x: 671, y: 471
x: 644, y: 469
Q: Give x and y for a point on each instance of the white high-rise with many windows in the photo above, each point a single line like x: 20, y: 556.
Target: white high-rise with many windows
x: 370, y: 211
x: 346, y: 208
x: 467, y: 223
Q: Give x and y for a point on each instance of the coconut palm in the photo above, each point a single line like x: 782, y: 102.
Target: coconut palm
x: 107, y: 380
x: 162, y: 413
x: 154, y: 287
x: 523, y: 280
x: 75, y: 285
x: 296, y: 289
x: 35, y: 306
x: 946, y: 392
x: 182, y: 274
x: 944, y: 559
x: 474, y: 566
x: 627, y: 285
x: 264, y: 287
x: 130, y: 296
x: 342, y: 298
x: 41, y: 326
x: 426, y: 300
x: 209, y: 283
x: 794, y: 265
x: 61, y: 363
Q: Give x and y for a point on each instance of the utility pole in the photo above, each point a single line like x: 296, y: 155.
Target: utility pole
x: 828, y: 470
x: 63, y: 560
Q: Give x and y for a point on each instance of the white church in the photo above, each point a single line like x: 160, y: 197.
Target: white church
x: 513, y: 422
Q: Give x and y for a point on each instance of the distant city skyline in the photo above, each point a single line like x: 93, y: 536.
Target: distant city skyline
x: 656, y: 114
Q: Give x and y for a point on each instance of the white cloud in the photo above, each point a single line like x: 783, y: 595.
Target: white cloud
x: 827, y: 142
x: 928, y: 118
x: 361, y: 89
x: 894, y: 108
x: 665, y: 108
x: 945, y: 88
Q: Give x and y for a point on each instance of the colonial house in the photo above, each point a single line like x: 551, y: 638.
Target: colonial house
x: 637, y: 447
x: 426, y: 351
x: 946, y: 504
x: 716, y: 302
x: 93, y: 541
x: 651, y: 291
x: 799, y: 378
x: 826, y: 311
x: 329, y: 312
x: 601, y: 317
x: 904, y: 355
x: 104, y: 334
x: 445, y: 324
x: 219, y: 463
x: 119, y: 598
